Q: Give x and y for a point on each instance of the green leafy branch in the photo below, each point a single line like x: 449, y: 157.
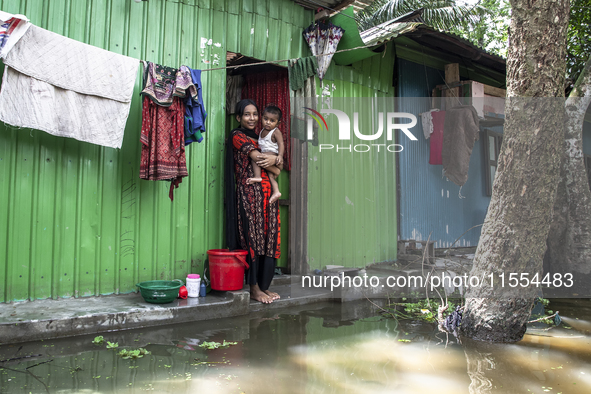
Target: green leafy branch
x: 216, y: 345
x: 426, y: 310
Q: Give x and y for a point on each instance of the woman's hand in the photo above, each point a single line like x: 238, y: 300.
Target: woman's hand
x: 265, y: 161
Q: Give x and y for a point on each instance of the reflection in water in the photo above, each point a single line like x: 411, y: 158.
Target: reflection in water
x: 546, y: 360
x: 322, y: 348
x: 375, y: 363
x: 555, y: 362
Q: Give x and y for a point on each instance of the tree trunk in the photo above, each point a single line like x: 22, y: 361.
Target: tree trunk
x: 515, y: 230
x: 569, y: 241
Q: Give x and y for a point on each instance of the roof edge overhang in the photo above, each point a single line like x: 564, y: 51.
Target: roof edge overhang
x: 371, y: 40
x: 409, y: 25
x: 459, y: 47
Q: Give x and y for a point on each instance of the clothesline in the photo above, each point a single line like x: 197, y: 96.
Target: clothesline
x: 283, y: 60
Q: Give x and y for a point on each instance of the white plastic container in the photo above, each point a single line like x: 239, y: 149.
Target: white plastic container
x: 193, y: 283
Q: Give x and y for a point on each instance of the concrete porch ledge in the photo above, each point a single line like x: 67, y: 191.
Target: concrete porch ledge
x: 47, y: 319
x: 44, y: 319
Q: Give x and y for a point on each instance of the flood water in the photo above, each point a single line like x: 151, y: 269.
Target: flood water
x: 319, y: 348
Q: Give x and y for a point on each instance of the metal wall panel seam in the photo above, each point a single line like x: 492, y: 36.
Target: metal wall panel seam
x: 33, y: 248
x: 11, y: 216
x: 57, y: 253
x: 209, y: 153
x: 5, y: 178
x: 123, y: 48
x: 187, y: 19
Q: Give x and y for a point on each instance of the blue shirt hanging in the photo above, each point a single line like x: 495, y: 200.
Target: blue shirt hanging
x: 194, y: 111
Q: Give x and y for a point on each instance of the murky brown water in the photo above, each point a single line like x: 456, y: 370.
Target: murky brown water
x: 322, y: 348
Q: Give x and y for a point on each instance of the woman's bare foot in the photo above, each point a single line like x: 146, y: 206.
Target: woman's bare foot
x: 274, y: 197
x: 258, y: 295
x: 272, y: 294
x: 250, y: 181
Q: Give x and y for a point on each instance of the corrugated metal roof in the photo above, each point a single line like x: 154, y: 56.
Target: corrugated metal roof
x: 386, y: 31
x: 334, y: 5
x: 361, y: 4
x: 448, y: 42
x: 328, y: 4
x: 408, y: 25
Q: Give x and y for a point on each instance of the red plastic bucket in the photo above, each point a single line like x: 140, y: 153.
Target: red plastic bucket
x: 227, y: 269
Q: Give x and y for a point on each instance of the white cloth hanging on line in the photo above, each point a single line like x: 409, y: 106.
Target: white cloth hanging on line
x: 12, y: 28
x: 67, y: 88
x: 427, y: 122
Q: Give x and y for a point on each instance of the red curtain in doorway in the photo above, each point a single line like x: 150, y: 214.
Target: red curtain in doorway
x: 272, y: 88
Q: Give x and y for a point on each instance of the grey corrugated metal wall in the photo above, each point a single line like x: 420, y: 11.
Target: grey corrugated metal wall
x: 76, y: 219
x: 587, y: 135
x: 430, y: 205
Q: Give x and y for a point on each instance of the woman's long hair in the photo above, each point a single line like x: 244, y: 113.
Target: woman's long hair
x: 242, y: 104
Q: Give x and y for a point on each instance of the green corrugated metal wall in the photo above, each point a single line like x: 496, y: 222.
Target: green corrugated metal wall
x: 75, y: 219
x: 352, y: 196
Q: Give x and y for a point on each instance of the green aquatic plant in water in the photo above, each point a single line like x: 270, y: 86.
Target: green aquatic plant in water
x: 548, y: 316
x: 112, y: 345
x: 426, y: 310
x: 133, y: 354
x: 216, y: 345
x: 98, y: 340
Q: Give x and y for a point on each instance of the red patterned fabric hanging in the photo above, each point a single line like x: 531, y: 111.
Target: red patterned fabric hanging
x: 437, y: 138
x: 272, y: 88
x: 163, y: 144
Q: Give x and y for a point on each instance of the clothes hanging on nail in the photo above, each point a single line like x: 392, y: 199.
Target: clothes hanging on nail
x: 427, y: 122
x: 459, y: 135
x: 162, y: 137
x: 195, y: 113
x: 436, y: 140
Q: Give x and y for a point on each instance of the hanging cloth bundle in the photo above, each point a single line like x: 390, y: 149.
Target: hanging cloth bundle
x: 162, y: 137
x: 67, y: 88
x: 300, y: 70
x: 194, y: 110
x: 323, y: 39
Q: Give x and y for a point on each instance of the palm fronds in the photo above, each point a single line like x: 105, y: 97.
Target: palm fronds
x: 443, y: 15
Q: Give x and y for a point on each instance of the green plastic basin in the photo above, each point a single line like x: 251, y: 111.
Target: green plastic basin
x: 160, y: 291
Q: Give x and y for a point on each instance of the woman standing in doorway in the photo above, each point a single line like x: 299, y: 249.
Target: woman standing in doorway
x: 255, y: 226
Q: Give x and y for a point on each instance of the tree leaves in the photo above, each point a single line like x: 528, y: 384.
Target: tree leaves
x: 578, y: 44
x: 443, y: 15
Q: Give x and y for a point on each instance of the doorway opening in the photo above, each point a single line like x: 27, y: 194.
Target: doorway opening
x: 265, y: 84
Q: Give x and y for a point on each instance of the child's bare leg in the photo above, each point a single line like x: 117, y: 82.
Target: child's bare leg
x: 273, y: 170
x: 276, y: 194
x: 257, y: 173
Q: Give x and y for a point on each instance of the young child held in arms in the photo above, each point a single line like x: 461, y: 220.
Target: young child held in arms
x: 270, y: 142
